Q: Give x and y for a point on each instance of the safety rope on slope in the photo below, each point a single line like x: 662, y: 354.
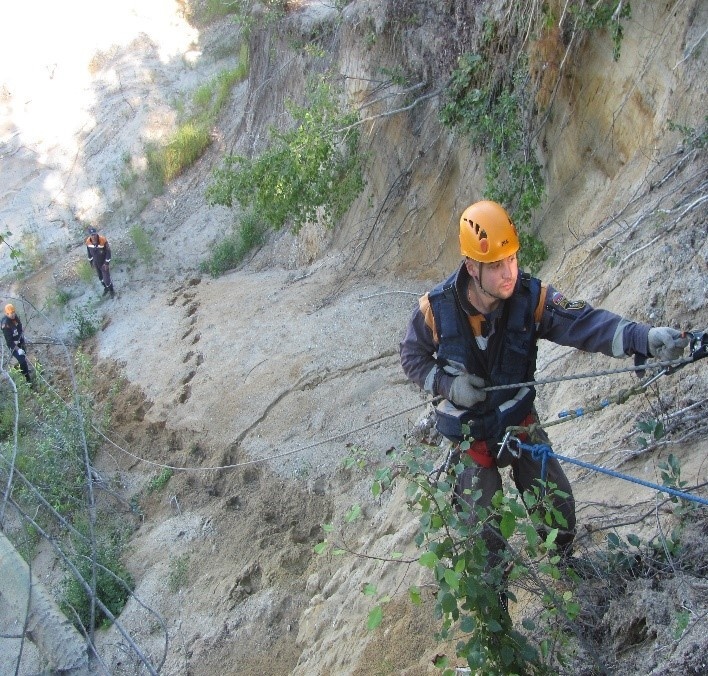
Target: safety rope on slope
x: 543, y: 451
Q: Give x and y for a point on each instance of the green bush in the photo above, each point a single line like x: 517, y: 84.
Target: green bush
x: 309, y: 172
x: 492, y: 118
x: 85, y: 322
x: 233, y: 248
x: 85, y: 271
x: 113, y: 582
x: 160, y: 481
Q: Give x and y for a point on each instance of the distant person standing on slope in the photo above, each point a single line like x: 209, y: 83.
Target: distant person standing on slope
x: 99, y: 255
x: 15, y: 338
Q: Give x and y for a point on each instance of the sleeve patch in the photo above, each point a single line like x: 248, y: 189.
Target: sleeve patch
x: 561, y: 301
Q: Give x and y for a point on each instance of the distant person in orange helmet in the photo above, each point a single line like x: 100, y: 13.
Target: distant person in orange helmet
x: 15, y: 338
x: 99, y: 255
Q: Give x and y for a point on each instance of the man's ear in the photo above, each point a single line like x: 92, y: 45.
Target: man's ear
x: 472, y: 268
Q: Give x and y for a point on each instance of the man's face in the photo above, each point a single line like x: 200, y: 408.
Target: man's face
x: 94, y: 239
x: 498, y: 279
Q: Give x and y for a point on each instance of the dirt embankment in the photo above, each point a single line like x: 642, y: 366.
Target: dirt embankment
x: 263, y: 381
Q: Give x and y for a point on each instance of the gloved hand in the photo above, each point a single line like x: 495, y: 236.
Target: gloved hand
x: 466, y: 390
x: 666, y: 343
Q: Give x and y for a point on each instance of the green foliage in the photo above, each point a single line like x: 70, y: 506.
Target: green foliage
x: 51, y: 457
x: 59, y: 299
x: 357, y: 458
x: 492, y: 117
x: 468, y: 588
x: 211, y: 10
x: 142, y: 243
x: 308, y: 173
x: 51, y: 446
x: 187, y: 144
x: 85, y: 271
x: 178, y: 573
x: 671, y: 478
x: 85, y: 322
x: 692, y: 137
x: 16, y: 255
x: 232, y: 249
x: 592, y: 16
x: 654, y: 428
x: 55, y: 442
x: 532, y: 252
x: 113, y: 581
x: 160, y: 481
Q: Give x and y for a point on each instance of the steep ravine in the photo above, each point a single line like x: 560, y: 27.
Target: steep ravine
x: 264, y: 380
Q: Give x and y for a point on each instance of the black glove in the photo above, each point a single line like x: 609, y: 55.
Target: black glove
x: 466, y: 391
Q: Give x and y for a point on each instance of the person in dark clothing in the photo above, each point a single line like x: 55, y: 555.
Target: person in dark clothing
x: 15, y: 338
x: 99, y: 255
x: 479, y: 328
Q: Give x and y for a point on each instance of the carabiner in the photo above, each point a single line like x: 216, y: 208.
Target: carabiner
x: 505, y: 444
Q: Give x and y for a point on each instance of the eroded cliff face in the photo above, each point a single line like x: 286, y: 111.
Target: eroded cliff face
x: 255, y: 380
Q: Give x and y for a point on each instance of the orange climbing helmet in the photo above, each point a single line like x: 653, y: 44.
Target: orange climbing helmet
x: 9, y: 309
x: 487, y: 233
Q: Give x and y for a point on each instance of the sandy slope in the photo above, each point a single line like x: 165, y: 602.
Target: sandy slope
x: 292, y: 358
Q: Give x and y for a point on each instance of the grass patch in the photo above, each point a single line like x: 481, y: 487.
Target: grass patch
x: 142, y: 243
x: 233, y: 248
x: 178, y: 573
x: 187, y: 144
x: 160, y: 481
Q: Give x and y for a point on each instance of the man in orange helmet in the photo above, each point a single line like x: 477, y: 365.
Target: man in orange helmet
x: 15, y: 338
x: 99, y: 255
x: 479, y: 328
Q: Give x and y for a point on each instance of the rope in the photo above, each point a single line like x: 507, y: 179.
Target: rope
x: 608, y: 372
x: 259, y: 460
x: 543, y: 451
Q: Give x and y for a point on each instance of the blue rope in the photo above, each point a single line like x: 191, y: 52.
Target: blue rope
x: 543, y: 451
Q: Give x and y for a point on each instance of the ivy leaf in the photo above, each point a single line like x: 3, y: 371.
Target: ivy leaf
x: 507, y: 525
x: 353, y: 514
x: 633, y: 540
x: 375, y: 617
x: 321, y: 547
x: 369, y: 589
x: 429, y: 560
x: 414, y: 595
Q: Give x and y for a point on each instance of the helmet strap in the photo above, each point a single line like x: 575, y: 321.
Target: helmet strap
x: 479, y: 283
